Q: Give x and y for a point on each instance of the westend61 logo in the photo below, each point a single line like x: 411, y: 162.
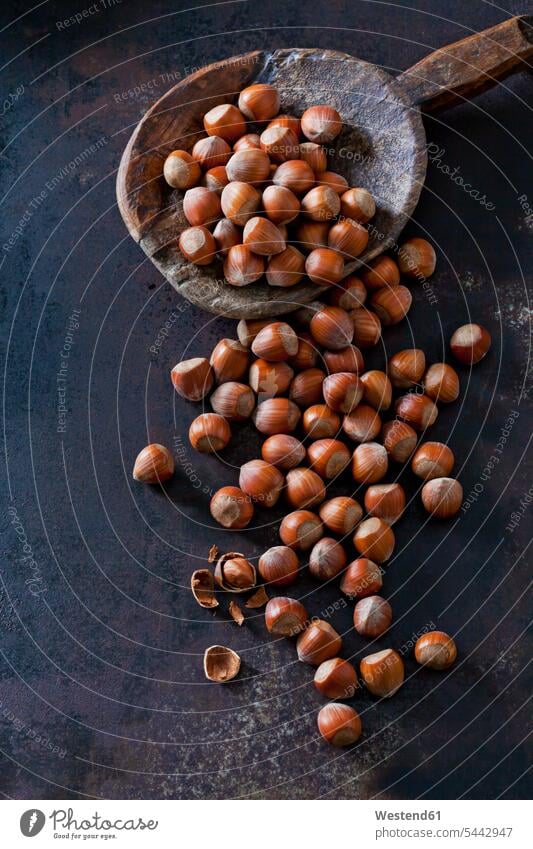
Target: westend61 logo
x: 32, y: 822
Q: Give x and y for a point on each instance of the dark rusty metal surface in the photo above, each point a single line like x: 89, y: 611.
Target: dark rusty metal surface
x: 102, y: 691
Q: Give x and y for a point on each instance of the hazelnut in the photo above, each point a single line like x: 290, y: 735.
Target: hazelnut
x: 374, y: 539
x: 470, y: 343
x: 362, y: 578
x: 209, y: 433
x: 275, y: 342
x: 417, y: 410
x: 369, y: 462
x: 261, y: 481
x: 211, y: 152
x: 280, y: 204
x: 247, y: 329
x: 332, y: 327
x: 346, y: 359
x: 290, y: 121
x: 306, y: 387
x: 193, y: 379
x: 201, y: 206
x: 339, y: 724
x: 381, y: 273
x: 315, y: 156
x: 442, y: 497
x: 391, y: 304
x: 441, y: 383
x: 249, y: 141
x: 405, y: 368
x: 286, y: 269
x: 301, y: 529
x: 336, y: 679
x: 225, y: 121
x: 295, y: 175
x: 386, y: 501
x: 280, y: 144
x: 311, y: 234
x: 226, y: 235
x: 307, y: 354
x: 321, y: 204
x: 234, y: 573
x: 242, y: 266
x: 399, y: 440
x: 337, y: 182
x: 433, y: 460
x: 383, y: 673
x: 197, y: 245
x: 263, y: 237
x: 270, y: 379
x: 324, y: 267
x: 276, y: 415
x: 234, y: 401
x: 231, y: 507
x: 248, y: 166
x: 229, y: 360
x: 363, y: 424
x: 436, y: 650
x: 321, y: 124
x: 304, y: 488
x: 154, y: 464
x: 279, y: 566
x: 318, y: 642
x: 215, y: 179
x: 377, y: 389
x: 350, y: 293
x: 180, y: 170
x: 285, y: 617
x: 328, y: 457
x: 341, y: 514
x: 284, y: 451
x: 259, y: 102
x: 417, y: 258
x: 366, y: 327
x: 342, y: 391
x: 320, y: 422
x: 239, y: 202
x: 372, y: 616
x: 358, y: 204
x: 327, y: 559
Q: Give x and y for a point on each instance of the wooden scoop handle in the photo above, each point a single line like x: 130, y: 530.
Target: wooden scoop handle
x: 467, y: 67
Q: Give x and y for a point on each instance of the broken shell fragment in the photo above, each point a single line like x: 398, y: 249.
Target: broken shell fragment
x: 203, y: 588
x: 258, y: 599
x: 236, y: 613
x: 221, y: 664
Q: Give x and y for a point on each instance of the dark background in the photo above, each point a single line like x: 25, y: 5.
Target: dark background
x: 102, y: 691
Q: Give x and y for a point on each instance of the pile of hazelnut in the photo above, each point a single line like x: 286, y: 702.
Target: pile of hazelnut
x: 262, y: 201
x: 305, y: 387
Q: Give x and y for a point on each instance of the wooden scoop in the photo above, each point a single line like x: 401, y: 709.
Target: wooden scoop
x: 382, y: 146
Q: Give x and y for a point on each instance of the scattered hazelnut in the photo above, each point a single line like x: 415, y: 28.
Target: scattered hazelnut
x: 383, y: 673
x: 279, y: 566
x: 341, y: 514
x: 336, y: 679
x: 470, y: 343
x: 304, y: 488
x: 209, y: 433
x: 339, y: 724
x: 285, y: 617
x: 362, y: 578
x: 436, y: 650
x: 193, y: 379
x: 300, y: 530
x: 231, y: 507
x: 369, y: 462
x: 327, y: 559
x: 372, y: 616
x: 154, y: 464
x: 385, y: 501
x: 284, y: 451
x: 318, y: 642
x: 374, y: 539
x: 261, y: 481
x: 433, y: 460
x: 442, y: 497
x: 441, y: 383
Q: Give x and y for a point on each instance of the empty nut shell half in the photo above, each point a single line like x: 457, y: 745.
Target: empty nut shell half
x: 221, y: 664
x: 203, y: 588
